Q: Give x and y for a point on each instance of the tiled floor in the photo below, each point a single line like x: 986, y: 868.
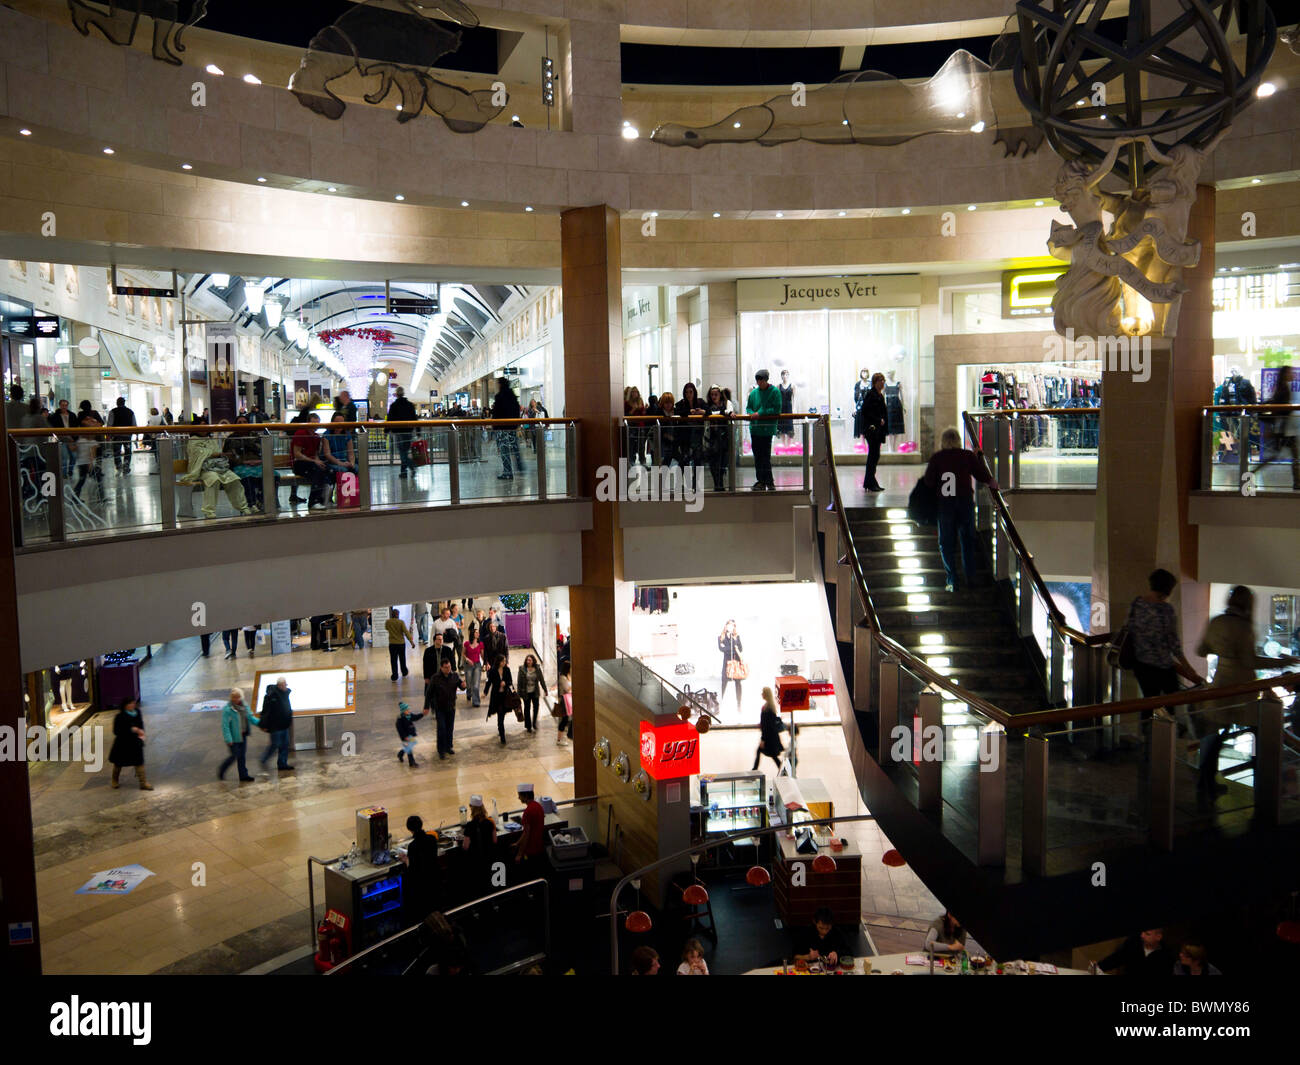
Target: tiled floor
x: 246, y: 902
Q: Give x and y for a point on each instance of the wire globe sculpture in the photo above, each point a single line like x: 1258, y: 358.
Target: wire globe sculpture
x: 1087, y: 79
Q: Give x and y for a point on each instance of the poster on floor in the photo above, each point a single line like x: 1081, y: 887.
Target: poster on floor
x: 120, y: 881
x: 281, y: 638
x: 222, y: 344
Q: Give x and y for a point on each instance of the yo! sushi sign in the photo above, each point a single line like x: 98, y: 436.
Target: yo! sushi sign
x: 670, y: 751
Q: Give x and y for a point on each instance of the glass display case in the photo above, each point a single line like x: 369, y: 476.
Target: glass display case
x: 733, y: 802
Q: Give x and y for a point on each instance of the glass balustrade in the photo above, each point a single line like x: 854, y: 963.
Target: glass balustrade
x: 719, y: 451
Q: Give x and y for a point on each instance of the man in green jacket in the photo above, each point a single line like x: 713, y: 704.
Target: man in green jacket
x: 763, y: 401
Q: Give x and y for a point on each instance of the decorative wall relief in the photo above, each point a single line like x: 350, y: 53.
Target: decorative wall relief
x: 119, y: 22
x: 1149, y: 103
x: 397, y: 45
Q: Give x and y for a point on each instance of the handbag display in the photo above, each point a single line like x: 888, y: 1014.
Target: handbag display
x: 789, y: 669
x: 736, y: 669
x: 684, y: 669
x: 706, y: 698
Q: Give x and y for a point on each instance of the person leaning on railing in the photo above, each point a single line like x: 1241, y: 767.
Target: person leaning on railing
x: 1231, y: 636
x: 717, y: 436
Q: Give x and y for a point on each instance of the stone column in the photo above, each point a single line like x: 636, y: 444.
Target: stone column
x: 720, y: 359
x: 593, y: 365
x: 1150, y: 455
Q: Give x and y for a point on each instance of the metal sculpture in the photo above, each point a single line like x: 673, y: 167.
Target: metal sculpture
x: 119, y: 22
x: 1178, y: 81
x: 397, y: 45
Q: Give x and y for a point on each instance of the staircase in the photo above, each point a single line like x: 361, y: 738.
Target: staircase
x: 970, y: 636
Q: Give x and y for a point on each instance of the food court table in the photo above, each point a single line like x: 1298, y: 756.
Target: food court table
x: 896, y: 964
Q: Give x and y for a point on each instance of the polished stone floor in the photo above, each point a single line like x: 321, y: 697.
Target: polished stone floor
x: 246, y: 903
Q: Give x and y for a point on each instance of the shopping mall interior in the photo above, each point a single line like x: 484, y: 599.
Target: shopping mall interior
x: 768, y: 488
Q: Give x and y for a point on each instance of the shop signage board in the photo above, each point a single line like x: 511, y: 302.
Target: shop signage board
x: 861, y: 291
x: 281, y: 638
x: 1030, y: 293
x: 32, y: 326
x: 222, y: 343
x: 670, y: 751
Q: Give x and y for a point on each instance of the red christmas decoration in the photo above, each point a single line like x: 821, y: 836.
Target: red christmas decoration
x: 330, y: 337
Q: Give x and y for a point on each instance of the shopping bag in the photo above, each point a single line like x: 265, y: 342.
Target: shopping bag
x: 347, y: 490
x: 923, y: 504
x: 420, y: 453
x: 568, y: 704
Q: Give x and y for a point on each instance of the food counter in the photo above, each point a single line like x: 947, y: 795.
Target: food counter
x: 800, y: 890
x: 918, y: 964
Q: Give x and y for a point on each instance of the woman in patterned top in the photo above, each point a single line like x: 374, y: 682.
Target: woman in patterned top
x: 1153, y: 627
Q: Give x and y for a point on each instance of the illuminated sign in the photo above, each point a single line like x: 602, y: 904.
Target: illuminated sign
x: 1030, y: 293
x: 32, y: 326
x: 670, y: 751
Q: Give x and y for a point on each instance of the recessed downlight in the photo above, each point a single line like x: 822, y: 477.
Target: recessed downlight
x: 528, y: 209
x: 25, y: 132
x: 252, y: 79
x: 464, y: 203
x: 1266, y: 88
x: 187, y: 166
x: 970, y: 207
x: 109, y: 151
x: 717, y: 214
x: 212, y: 68
x: 907, y: 210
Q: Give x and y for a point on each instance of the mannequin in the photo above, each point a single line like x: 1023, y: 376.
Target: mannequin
x: 787, y: 405
x: 894, y: 405
x: 860, y: 388
x: 65, y: 673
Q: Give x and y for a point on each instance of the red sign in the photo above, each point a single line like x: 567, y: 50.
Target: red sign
x: 670, y: 751
x: 820, y: 688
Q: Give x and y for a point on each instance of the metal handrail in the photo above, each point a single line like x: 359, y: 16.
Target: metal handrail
x: 206, y: 428
x: 1038, y: 412
x: 546, y: 889
x: 691, y: 698
x: 1027, y: 560
x: 1250, y: 408
x: 728, y: 417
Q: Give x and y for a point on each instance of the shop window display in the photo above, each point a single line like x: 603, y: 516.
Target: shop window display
x: 688, y: 634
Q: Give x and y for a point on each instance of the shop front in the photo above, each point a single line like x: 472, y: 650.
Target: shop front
x: 823, y: 338
x: 647, y: 347
x: 681, y: 631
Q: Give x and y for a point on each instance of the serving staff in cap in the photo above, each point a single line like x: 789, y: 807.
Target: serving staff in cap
x: 532, y: 842
x: 479, y: 844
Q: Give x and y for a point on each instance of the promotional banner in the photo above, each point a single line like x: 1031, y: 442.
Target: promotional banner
x: 120, y: 881
x: 281, y: 638
x: 223, y: 401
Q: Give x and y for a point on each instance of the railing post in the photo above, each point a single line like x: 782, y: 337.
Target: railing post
x: 1207, y: 450
x: 362, y: 438
x: 1056, y: 645
x: 539, y: 445
x: 830, y: 561
x: 1014, y: 438
x: 845, y: 594
x: 571, y: 458
x: 1243, y: 450
x: 929, y: 773
x: 806, y: 443
x: 271, y: 494
x: 822, y: 495
x: 453, y: 464
x: 1033, y: 819
x: 862, y: 644
x: 659, y: 443
x: 52, y: 456
x: 888, y: 689
x: 992, y: 845
x: 1002, y: 436
x: 1268, y: 763
x: 166, y: 482
x: 1162, y: 781
x: 736, y: 438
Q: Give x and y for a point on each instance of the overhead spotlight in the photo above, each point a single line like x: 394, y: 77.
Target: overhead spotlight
x: 979, y: 126
x: 907, y: 210
x: 331, y: 189
x: 630, y: 132
x: 212, y: 68
x: 1266, y: 88
x: 1255, y: 180
x: 843, y: 213
x: 548, y: 81
x: 25, y: 132
x: 735, y: 125
x: 186, y: 166
x: 717, y: 214
x: 970, y: 207
x: 220, y: 280
x: 261, y: 181
x: 529, y: 210
x: 780, y: 214
x: 1038, y: 203
x: 252, y: 79
x: 109, y: 151
x: 844, y: 122
x: 464, y: 203
x: 399, y: 107
x: 399, y: 197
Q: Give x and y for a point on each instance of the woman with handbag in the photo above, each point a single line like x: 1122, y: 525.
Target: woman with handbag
x: 733, y: 669
x: 532, y: 686
x: 769, y: 727
x: 563, y: 709
x: 1155, y: 648
x: 500, y: 690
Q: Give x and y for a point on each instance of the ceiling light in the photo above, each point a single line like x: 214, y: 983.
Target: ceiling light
x: 845, y: 122
x: 1038, y: 203
x: 464, y: 203
x: 1081, y: 103
x: 961, y: 114
x: 220, y: 280
x: 843, y: 213
x: 717, y: 214
x: 252, y: 79
x: 25, y: 132
x: 735, y: 125
x: 631, y: 133
x: 979, y: 126
x: 291, y: 328
x: 254, y: 294
x: 907, y: 210
x: 780, y: 214
x: 212, y: 68
x: 274, y: 312
x: 400, y: 197
x: 529, y: 210
x: 186, y: 166
x: 1266, y: 88
x: 261, y: 181
x: 109, y: 151
x: 1255, y: 180
x: 304, y: 337
x: 970, y: 207
x: 514, y: 118
x: 331, y: 189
